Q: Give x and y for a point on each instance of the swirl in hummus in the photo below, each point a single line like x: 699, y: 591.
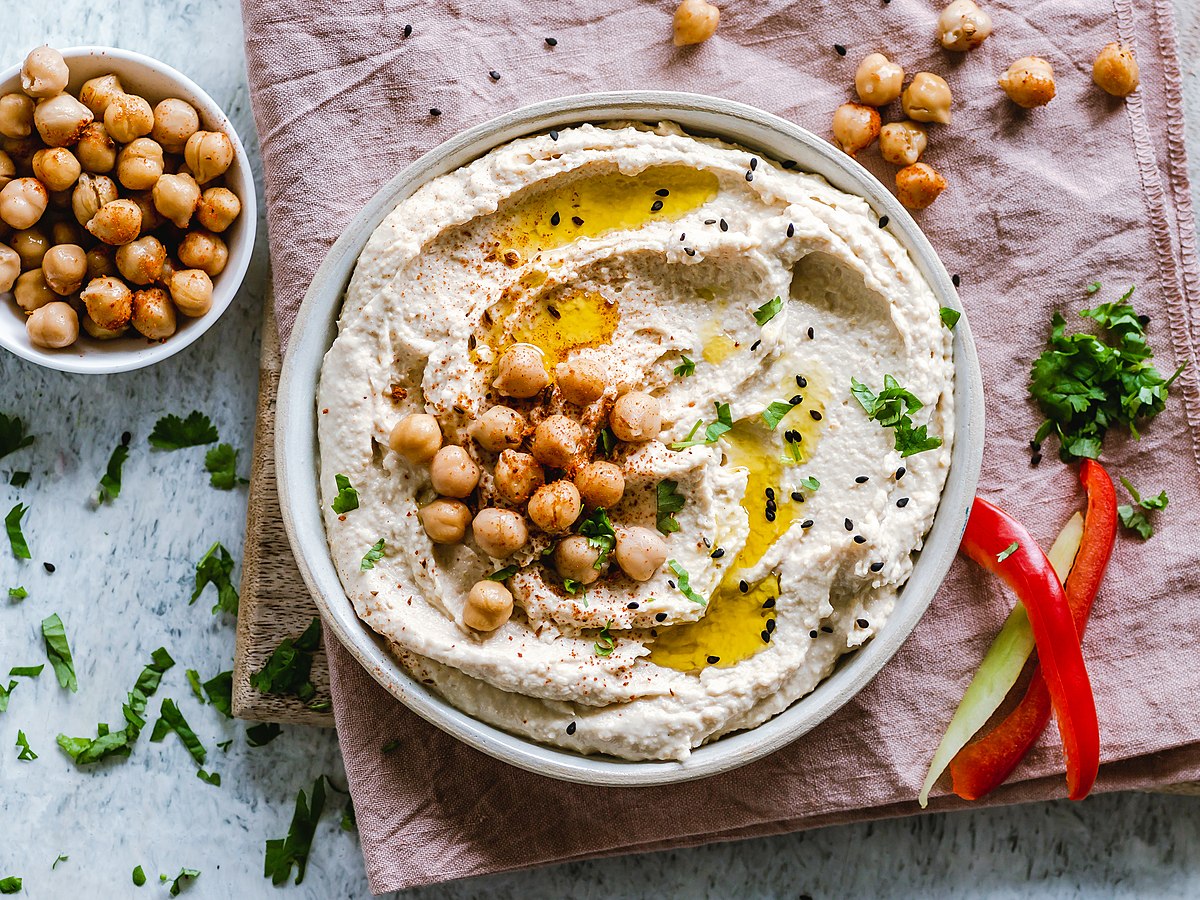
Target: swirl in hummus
x: 613, y: 290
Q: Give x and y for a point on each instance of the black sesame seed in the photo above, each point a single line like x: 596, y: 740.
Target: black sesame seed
x: 769, y: 603
x: 555, y: 219
x: 807, y: 523
x: 770, y: 514
x: 710, y: 221
x: 660, y: 617
x: 849, y: 525
x: 571, y: 728
x: 717, y: 554
x: 753, y: 163
x: 663, y: 192
x: 770, y: 492
x: 49, y: 567
x: 811, y: 332
x: 494, y: 75
x: 656, y: 206
x: 689, y: 251
x: 862, y: 623
x: 827, y: 629
x: 407, y: 30
x: 791, y: 232
x: 876, y: 567
x: 816, y: 414
x: 883, y: 221
x: 801, y: 381
x: 797, y: 496
x: 126, y: 437
x: 859, y: 539
x: 633, y: 604
x: 749, y: 176
x: 671, y: 583
x: 796, y: 400
x: 862, y: 479
x: 743, y: 587
x: 789, y: 164
x: 472, y: 341
x: 902, y: 502
x: 553, y: 135
x: 956, y: 279
x: 551, y: 42
x: 771, y: 506
x: 770, y: 624
x: 554, y: 313
x: 841, y: 51
x: 900, y: 472
x: 756, y: 345
x: 713, y: 660
x: 1035, y: 459
x: 812, y: 634
x: 434, y: 111
x: 578, y: 222
x: 724, y: 225
x: 765, y: 635
x: 683, y: 236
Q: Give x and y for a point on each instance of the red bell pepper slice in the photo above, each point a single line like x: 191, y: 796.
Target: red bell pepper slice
x: 981, y: 767
x: 991, y: 533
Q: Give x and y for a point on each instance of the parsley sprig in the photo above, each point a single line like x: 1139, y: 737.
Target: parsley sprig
x: 1133, y: 516
x: 685, y: 368
x: 216, y: 568
x: 288, y: 669
x: 768, y: 311
x: 173, y: 433
x: 685, y: 583
x: 670, y: 501
x: 347, y: 496
x: 711, y: 433
x: 600, y: 534
x: 372, y: 556
x: 221, y: 464
x: 891, y: 408
x: 605, y: 642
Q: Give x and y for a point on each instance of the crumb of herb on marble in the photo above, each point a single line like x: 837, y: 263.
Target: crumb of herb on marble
x: 221, y: 464
x: 58, y: 651
x: 173, y: 433
x: 16, y: 537
x: 293, y: 850
x: 216, y: 568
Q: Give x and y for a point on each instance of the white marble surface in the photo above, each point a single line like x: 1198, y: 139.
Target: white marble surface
x: 122, y: 583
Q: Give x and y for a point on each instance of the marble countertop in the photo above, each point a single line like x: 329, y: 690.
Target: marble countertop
x: 123, y: 575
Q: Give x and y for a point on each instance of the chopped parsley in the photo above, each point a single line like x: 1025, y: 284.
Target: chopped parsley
x: 26, y: 754
x: 605, y: 642
x: 347, y: 496
x: 19, y: 479
x: 293, y: 850
x: 502, y: 574
x: 219, y: 690
x: 213, y: 778
x: 171, y: 719
x: 110, y: 481
x: 1086, y: 384
x: 606, y: 442
x: 768, y: 311
x: 598, y: 529
x: 193, y: 678
x: 216, y: 567
x: 573, y: 587
x: 289, y: 666
x: 173, y: 433
x: 349, y: 818
x: 711, y: 433
x: 1134, y: 516
x: 59, y: 652
x: 221, y: 464
x: 1093, y: 287
x: 774, y: 413
x: 685, y: 583
x: 950, y: 316
x: 10, y: 885
x: 17, y: 594
x: 374, y: 555
x: 670, y: 501
x: 139, y: 876
x: 1008, y: 551
x: 891, y: 408
x: 182, y: 880
x: 685, y: 368
x: 26, y: 671
x: 262, y: 734
x: 811, y: 483
x: 62, y: 857
x: 12, y: 435
x: 16, y: 539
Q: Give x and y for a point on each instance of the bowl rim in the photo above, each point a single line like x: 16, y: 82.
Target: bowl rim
x: 225, y: 286
x: 296, y: 451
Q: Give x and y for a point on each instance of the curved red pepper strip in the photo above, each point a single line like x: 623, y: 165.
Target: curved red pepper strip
x: 1028, y: 573
x: 981, y: 767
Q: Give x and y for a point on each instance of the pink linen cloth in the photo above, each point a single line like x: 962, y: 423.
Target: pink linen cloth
x: 1040, y: 203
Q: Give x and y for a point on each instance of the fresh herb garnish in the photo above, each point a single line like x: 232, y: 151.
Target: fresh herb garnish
x: 110, y: 481
x: 347, y: 496
x: 59, y: 652
x: 685, y: 583
x: 290, y: 664
x: 606, y: 442
x: 1086, y: 384
x: 1134, y: 516
x: 811, y: 483
x: 19, y: 479
x: 294, y: 849
x: 374, y: 555
x: 12, y: 435
x: 598, y: 529
x: 182, y: 880
x: 213, y: 778
x: 349, y: 818
x: 891, y: 408
x: 17, y: 594
x: 605, y: 642
x: 173, y: 433
x: 774, y: 413
x: 26, y: 754
x: 950, y: 316
x: 193, y: 679
x: 62, y: 857
x: 1007, y: 551
x: 502, y: 574
x: 26, y: 671
x: 12, y: 524
x: 10, y: 885
x: 768, y: 311
x: 221, y: 464
x: 171, y: 719
x: 1093, y: 287
x: 262, y: 734
x: 139, y: 876
x: 573, y: 587
x: 685, y: 368
x: 5, y: 692
x: 216, y: 567
x: 670, y: 501
x: 219, y: 690
x: 711, y: 433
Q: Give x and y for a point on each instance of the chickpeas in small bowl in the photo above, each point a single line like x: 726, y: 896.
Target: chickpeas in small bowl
x: 127, y: 210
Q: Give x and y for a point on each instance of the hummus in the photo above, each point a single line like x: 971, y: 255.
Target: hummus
x: 777, y: 517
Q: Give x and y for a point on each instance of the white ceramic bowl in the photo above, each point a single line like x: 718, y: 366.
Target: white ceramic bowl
x: 155, y: 81
x: 316, y: 327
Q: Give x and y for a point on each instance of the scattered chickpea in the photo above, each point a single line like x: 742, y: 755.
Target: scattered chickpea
x: 600, y: 483
x: 109, y: 302
x: 16, y: 116
x: 176, y: 197
x: 499, y: 532
x: 521, y: 372
x: 153, y: 313
x: 91, y: 192
x: 174, y: 122
x: 517, y: 476
x: 31, y: 245
x: 99, y: 332
x: 453, y: 472
x: 636, y: 417
x: 32, y: 292
x: 416, y: 437
x: 191, y: 291
x: 8, y: 169
x: 10, y: 268
x: 1115, y: 70
x: 927, y: 99
x: 97, y: 93
x: 445, y: 521
x: 575, y: 558
x: 56, y: 168
x: 695, y: 22
x: 640, y: 552
x: 489, y: 605
x: 64, y: 267
x: 22, y: 202
x: 117, y: 222
x: 128, y: 116
x: 141, y: 261
x: 855, y: 127
x: 1029, y: 82
x: 963, y: 26
x: 208, y: 154
x: 878, y: 80
x: 581, y: 381
x: 61, y: 120
x: 44, y: 73
x: 101, y: 261
x: 140, y: 164
x: 555, y: 507
x: 919, y: 185
x: 97, y: 152
x: 218, y: 208
x: 53, y: 326
x: 902, y: 143
x: 557, y: 440
x: 499, y: 428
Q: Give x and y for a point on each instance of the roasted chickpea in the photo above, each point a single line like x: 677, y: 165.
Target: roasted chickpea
x: 635, y: 417
x: 191, y: 290
x: 902, y: 143
x: 31, y: 245
x: 855, y: 127
x: 44, y: 73
x: 128, y: 116
x: 101, y: 261
x: 96, y: 151
x: 600, y: 483
x: 22, y: 202
x: 8, y: 169
x: 695, y: 22
x: 140, y: 164
x: 517, y: 476
x: 581, y: 381
x: 575, y: 558
x: 61, y: 120
x: 53, y: 326
x: 64, y: 268
x: 117, y: 222
x: 153, y: 313
x: 91, y: 193
x: 109, y: 302
x: 56, y: 168
x: 445, y: 521
x: 218, y: 208
x: 453, y: 472
x: 499, y: 428
x: 208, y: 154
x: 489, y: 605
x: 878, y: 80
x: 555, y: 507
x: 416, y: 437
x: 203, y: 250
x: 10, y: 268
x: 499, y: 532
x: 918, y: 185
x: 1029, y: 82
x: 557, y: 441
x: 963, y: 26
x: 99, y: 332
x: 927, y: 99
x: 521, y: 371
x: 65, y: 232
x: 176, y: 197
x: 31, y: 290
x: 640, y: 552
x: 97, y: 93
x: 174, y: 122
x: 16, y: 116
x: 141, y: 261
x: 1115, y: 70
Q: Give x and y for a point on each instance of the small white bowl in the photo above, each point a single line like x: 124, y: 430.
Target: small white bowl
x: 316, y: 327
x: 155, y: 81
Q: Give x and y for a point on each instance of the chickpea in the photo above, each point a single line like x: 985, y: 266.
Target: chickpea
x: 140, y: 164
x: 855, y: 127
x: 91, y: 193
x: 695, y: 22
x: 878, y: 80
x: 53, y: 326
x: 174, y: 122
x: 8, y: 169
x: 555, y: 507
x: 557, y: 441
x: 489, y: 605
x: 927, y: 99
x: 31, y: 245
x: 218, y: 208
x: 521, y: 371
x: 98, y: 92
x: 151, y: 218
x: 191, y: 290
x: 56, y: 168
x: 10, y: 268
x: 44, y: 73
x: 581, y: 381
x: 963, y: 26
x: 416, y: 437
x: 635, y: 417
x: 153, y: 313
x: 517, y: 476
x: 170, y: 267
x: 109, y: 302
x: 101, y: 261
x: 128, y: 116
x: 918, y: 185
x: 1115, y: 70
x: 499, y: 428
x: 902, y: 143
x: 445, y: 521
x: 1029, y: 82
x: 16, y: 116
x: 99, y: 332
x: 66, y: 233
x: 575, y: 558
x: 176, y: 197
x: 640, y: 552
x: 600, y: 483
x: 22, y: 202
x: 500, y: 532
x: 208, y: 154
x: 31, y: 290
x: 64, y: 268
x: 116, y: 223
x: 97, y: 152
x: 453, y: 472
x: 203, y: 250
x: 60, y: 120
x: 141, y: 261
